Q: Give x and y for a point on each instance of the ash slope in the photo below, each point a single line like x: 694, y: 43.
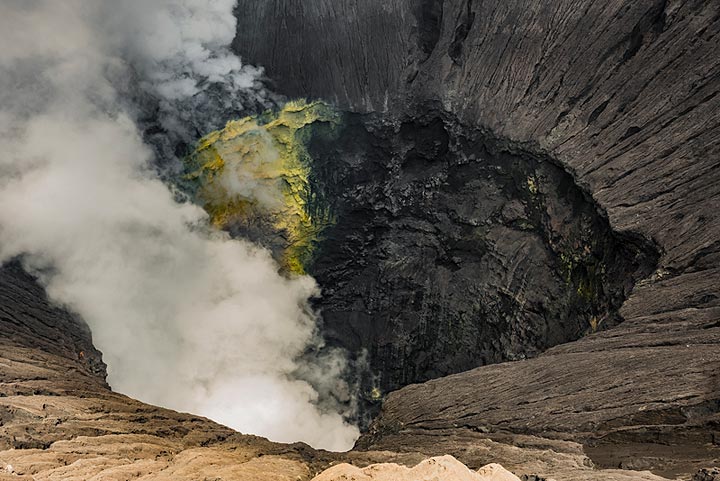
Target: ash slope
x: 625, y: 96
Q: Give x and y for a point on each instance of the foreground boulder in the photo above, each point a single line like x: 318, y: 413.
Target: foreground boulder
x: 433, y: 469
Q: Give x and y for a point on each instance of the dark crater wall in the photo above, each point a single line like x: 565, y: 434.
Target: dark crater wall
x: 454, y: 249
x: 29, y: 320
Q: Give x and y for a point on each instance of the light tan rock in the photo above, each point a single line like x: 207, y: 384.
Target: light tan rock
x: 442, y: 468
x: 495, y: 472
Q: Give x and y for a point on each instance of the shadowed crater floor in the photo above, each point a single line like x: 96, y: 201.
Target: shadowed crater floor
x: 454, y: 249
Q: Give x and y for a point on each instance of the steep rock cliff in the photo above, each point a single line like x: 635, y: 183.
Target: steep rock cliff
x: 624, y: 96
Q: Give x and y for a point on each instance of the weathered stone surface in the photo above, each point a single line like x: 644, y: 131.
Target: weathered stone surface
x: 354, y: 54
x: 29, y: 320
x: 637, y: 405
x: 525, y: 456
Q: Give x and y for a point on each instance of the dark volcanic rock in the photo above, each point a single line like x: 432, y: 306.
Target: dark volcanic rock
x: 712, y: 474
x: 454, y: 250
x: 626, y: 97
x: 532, y: 477
x: 29, y: 320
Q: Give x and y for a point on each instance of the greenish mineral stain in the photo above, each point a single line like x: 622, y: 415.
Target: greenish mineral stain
x: 260, y: 168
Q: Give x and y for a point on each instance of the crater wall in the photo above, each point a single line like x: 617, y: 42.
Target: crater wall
x: 624, y: 95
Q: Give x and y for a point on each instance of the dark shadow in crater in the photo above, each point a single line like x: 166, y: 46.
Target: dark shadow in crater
x: 454, y: 249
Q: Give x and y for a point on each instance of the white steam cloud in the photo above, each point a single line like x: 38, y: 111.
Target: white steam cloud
x: 186, y: 317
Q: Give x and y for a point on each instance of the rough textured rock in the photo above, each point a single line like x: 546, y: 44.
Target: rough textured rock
x: 603, y: 391
x: 623, y: 95
x: 28, y: 319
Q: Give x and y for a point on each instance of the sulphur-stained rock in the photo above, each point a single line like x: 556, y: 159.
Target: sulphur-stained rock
x: 444, y: 468
x: 270, y: 154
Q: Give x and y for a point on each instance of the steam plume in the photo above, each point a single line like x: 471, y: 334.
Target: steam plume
x: 186, y: 317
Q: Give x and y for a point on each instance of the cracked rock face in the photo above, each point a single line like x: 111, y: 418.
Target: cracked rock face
x: 29, y: 320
